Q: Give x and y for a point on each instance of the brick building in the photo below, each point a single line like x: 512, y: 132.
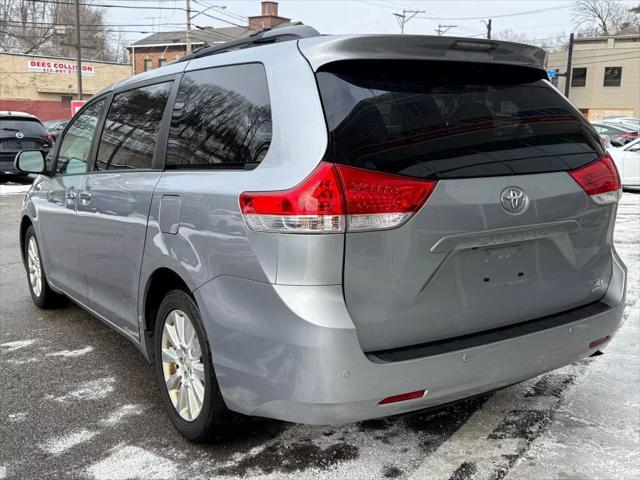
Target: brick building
x: 164, y: 47
x: 44, y: 86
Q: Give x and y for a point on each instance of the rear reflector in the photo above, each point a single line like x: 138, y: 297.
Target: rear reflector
x: 335, y: 198
x: 600, y: 341
x: 600, y: 180
x: 402, y: 397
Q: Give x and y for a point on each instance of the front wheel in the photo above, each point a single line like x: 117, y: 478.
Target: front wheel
x: 41, y: 293
x: 185, y: 372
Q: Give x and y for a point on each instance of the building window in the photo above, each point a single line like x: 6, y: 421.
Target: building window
x: 579, y: 77
x: 162, y: 62
x: 612, y: 76
x: 148, y: 64
x: 554, y: 80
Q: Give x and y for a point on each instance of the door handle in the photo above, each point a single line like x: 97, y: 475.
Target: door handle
x: 85, y: 197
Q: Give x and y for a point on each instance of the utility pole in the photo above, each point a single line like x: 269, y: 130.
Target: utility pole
x: 488, y: 24
x: 188, y: 32
x: 403, y: 19
x: 79, y: 50
x: 567, y: 75
x: 442, y: 29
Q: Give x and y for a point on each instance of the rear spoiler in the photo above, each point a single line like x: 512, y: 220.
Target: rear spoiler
x: 322, y: 50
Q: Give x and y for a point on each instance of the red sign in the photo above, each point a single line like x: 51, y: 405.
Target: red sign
x: 76, y: 105
x: 51, y: 66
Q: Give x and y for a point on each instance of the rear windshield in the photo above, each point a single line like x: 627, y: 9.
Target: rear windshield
x: 451, y: 120
x: 29, y: 128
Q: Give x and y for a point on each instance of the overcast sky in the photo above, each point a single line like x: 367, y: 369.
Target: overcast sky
x: 537, y: 18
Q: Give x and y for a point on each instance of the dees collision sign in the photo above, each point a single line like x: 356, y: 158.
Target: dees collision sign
x: 58, y: 66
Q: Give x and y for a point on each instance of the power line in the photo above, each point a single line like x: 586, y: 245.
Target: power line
x: 504, y: 15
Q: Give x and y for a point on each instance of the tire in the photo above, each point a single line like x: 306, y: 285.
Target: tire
x: 41, y: 292
x: 180, y: 375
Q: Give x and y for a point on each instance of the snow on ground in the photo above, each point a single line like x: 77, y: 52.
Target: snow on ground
x: 91, y: 390
x: 58, y: 445
x: 13, y: 189
x: 128, y: 462
x: 71, y: 353
x: 596, y: 432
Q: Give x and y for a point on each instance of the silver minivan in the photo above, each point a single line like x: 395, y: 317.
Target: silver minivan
x: 327, y: 229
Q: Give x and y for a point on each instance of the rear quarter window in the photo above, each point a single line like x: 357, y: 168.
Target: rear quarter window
x: 451, y: 120
x: 221, y: 118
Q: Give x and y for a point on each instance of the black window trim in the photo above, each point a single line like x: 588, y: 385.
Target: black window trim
x: 604, y: 77
x: 157, y: 162
x: 92, y: 150
x: 231, y: 167
x: 573, y: 77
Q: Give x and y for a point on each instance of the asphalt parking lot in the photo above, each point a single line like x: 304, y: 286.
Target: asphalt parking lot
x: 79, y: 401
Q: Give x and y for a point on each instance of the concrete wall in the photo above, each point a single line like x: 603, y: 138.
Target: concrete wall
x: 596, y: 100
x: 48, y: 91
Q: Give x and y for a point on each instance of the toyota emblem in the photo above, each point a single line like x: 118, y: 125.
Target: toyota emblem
x: 19, y: 135
x: 514, y: 200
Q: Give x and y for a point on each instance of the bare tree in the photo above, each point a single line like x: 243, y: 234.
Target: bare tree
x: 49, y: 29
x: 551, y: 44
x: 603, y: 17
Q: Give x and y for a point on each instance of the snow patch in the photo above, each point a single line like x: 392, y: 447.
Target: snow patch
x: 3, y: 472
x: 92, y: 390
x: 17, y: 417
x: 121, y: 413
x: 130, y: 462
x: 71, y: 353
x: 22, y: 361
x: 17, y: 345
x: 56, y: 446
x: 14, y: 189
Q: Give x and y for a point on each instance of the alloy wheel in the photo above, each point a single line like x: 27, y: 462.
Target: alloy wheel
x: 182, y: 365
x: 34, y: 266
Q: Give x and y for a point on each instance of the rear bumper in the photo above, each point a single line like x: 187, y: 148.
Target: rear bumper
x: 292, y: 353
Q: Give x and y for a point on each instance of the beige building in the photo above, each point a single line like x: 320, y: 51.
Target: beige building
x: 605, y: 75
x: 44, y: 86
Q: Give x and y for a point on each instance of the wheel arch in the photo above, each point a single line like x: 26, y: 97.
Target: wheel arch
x: 159, y: 283
x: 25, y: 223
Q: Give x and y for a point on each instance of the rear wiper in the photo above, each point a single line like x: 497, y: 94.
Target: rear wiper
x: 7, y: 129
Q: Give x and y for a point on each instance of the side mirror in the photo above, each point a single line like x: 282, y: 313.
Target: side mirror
x: 30, y: 161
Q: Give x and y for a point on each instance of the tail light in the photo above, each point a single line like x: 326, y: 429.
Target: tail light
x: 48, y: 137
x: 336, y: 198
x: 600, y: 180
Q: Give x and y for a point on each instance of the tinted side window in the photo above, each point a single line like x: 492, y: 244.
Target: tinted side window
x: 131, y: 129
x: 222, y: 117
x: 73, y: 156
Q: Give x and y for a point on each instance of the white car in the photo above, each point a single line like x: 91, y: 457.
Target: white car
x: 627, y: 160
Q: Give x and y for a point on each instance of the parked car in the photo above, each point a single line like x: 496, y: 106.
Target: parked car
x: 397, y: 222
x: 20, y: 131
x: 618, y: 134
x: 629, y: 122
x: 55, y: 127
x: 627, y: 160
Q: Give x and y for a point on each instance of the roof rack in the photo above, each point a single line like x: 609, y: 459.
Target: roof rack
x: 261, y: 37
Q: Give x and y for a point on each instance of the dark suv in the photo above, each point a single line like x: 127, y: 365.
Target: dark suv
x: 20, y: 131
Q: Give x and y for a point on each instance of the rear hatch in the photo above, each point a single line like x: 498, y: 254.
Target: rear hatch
x: 508, y: 233
x: 17, y: 134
